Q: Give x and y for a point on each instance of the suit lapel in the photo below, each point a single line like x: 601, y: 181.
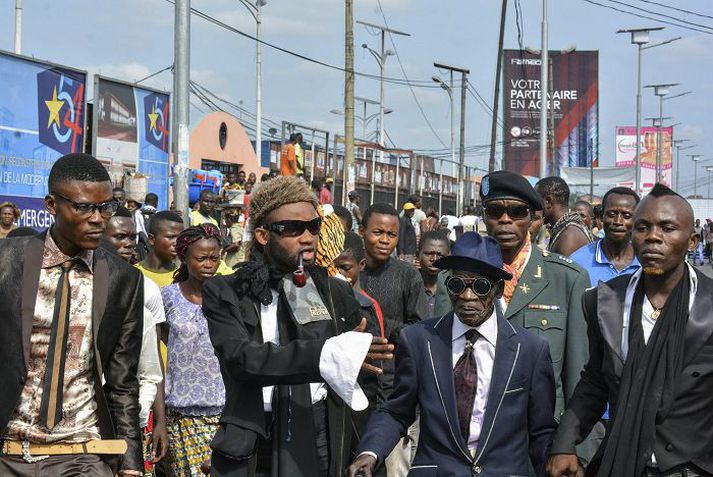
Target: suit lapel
x: 698, y: 329
x: 31, y: 270
x: 100, y: 291
x: 440, y: 351
x: 530, y: 284
x: 507, y: 351
x: 610, y: 315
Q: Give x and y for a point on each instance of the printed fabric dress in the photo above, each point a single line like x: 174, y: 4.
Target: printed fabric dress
x: 195, y: 394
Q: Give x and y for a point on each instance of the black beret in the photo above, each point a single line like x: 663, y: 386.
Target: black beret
x: 509, y: 185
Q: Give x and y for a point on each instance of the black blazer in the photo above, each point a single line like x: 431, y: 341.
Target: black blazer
x: 686, y: 435
x: 247, y: 364
x: 117, y: 320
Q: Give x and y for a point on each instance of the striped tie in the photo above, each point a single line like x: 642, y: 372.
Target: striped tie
x: 53, y: 386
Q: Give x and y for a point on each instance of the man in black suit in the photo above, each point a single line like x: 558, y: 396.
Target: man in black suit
x: 289, y: 373
x: 70, y: 336
x: 651, y: 348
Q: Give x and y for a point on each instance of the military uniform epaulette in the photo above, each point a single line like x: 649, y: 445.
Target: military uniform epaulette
x: 561, y: 259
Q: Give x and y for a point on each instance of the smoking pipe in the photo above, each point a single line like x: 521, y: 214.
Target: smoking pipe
x: 298, y: 276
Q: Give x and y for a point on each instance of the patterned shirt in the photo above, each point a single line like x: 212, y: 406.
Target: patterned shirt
x: 569, y: 219
x: 79, y: 421
x: 194, y: 385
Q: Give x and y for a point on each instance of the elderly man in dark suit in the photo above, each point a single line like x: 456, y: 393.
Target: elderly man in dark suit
x: 70, y: 337
x: 485, y: 387
x: 651, y: 349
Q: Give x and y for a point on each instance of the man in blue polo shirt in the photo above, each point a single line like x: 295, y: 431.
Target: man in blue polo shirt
x: 608, y: 258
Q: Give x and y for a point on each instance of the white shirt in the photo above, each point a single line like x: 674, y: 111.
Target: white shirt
x: 647, y: 309
x: 484, y: 351
x: 339, y: 362
x: 149, y: 370
x: 453, y: 221
x: 469, y: 223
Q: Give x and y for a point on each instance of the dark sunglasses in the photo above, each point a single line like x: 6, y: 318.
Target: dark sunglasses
x: 514, y: 211
x: 294, y: 228
x: 106, y: 209
x: 480, y: 286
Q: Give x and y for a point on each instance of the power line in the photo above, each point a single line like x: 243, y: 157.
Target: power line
x: 169, y: 67
x: 682, y: 10
x: 403, y: 71
x: 399, y: 81
x: 647, y: 17
x: 661, y: 14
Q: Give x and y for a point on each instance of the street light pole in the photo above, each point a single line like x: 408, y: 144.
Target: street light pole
x: 381, y: 59
x: 660, y: 90
x: 258, y: 80
x: 18, y: 26
x: 640, y: 37
x: 695, y: 158
x: 544, y: 54
x: 181, y: 96
x: 449, y: 90
x: 677, y: 144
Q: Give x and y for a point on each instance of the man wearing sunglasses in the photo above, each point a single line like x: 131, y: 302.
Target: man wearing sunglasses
x: 70, y: 336
x: 545, y: 293
x: 485, y: 388
x: 283, y: 337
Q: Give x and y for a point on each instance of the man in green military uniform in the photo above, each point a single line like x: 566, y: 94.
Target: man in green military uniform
x: 545, y: 294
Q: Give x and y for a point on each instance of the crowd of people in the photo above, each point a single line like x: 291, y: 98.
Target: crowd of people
x: 280, y: 334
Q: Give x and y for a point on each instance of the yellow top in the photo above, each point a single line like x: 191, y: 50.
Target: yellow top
x: 197, y: 218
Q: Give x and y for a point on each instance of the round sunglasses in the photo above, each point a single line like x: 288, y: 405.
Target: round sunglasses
x: 481, y: 286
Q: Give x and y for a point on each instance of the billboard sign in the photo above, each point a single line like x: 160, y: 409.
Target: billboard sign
x: 626, y: 153
x: 131, y: 130
x: 573, y: 100
x: 41, y: 119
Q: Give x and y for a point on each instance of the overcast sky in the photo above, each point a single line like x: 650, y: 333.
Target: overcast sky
x: 131, y: 39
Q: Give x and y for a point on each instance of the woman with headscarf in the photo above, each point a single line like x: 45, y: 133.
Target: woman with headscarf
x: 195, y: 394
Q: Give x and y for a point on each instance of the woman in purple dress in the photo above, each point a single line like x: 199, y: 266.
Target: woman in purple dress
x: 194, y: 387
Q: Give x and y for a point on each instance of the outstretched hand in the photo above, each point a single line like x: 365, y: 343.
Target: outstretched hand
x: 380, y: 349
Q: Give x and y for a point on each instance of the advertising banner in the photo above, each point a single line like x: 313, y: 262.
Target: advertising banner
x: 132, y: 131
x: 41, y: 119
x: 626, y: 153
x: 573, y: 102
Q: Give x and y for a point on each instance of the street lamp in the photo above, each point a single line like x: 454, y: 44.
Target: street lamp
x: 660, y: 90
x: 256, y: 12
x: 449, y: 90
x: 695, y: 158
x: 640, y: 37
x: 677, y: 143
x: 364, y: 119
x: 709, y: 169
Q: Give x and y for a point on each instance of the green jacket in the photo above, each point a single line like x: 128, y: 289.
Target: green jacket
x: 548, y: 302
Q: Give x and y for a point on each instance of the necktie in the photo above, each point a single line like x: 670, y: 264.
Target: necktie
x: 465, y: 376
x: 53, y: 385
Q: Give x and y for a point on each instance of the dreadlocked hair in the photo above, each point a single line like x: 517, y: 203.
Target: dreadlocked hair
x: 184, y: 241
x: 273, y: 194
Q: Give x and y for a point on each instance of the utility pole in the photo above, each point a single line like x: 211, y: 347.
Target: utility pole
x: 18, y: 26
x: 349, y: 96
x: 544, y: 55
x: 258, y: 81
x: 496, y: 95
x: 461, y: 163
x: 181, y: 96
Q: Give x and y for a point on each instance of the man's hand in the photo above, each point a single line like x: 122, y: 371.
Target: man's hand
x: 564, y: 464
x: 159, y: 443
x: 380, y: 349
x: 363, y: 466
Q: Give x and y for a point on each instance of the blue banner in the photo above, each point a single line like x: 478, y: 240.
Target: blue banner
x: 131, y: 129
x: 41, y: 119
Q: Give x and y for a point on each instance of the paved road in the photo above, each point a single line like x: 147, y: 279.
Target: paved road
x: 707, y: 269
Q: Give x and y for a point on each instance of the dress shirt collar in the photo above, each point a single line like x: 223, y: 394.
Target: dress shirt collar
x: 631, y: 288
x: 601, y: 258
x: 488, y: 329
x: 52, y: 256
